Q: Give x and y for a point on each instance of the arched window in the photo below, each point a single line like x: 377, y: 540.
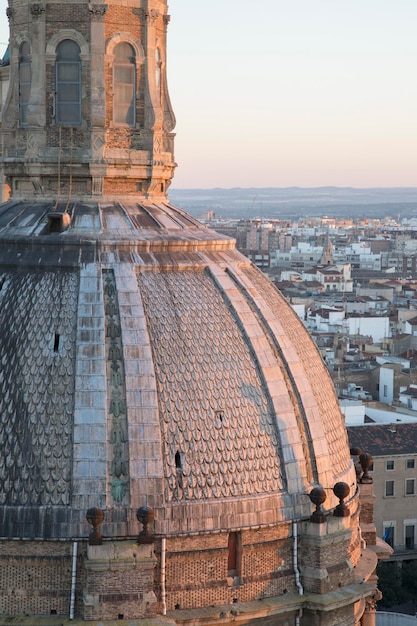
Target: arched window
x: 25, y: 79
x: 68, y: 83
x: 124, y: 85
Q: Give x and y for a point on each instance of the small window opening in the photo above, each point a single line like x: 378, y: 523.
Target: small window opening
x: 235, y: 600
x: 234, y: 555
x: 162, y: 187
x: 220, y: 415
x: 178, y: 461
x: 56, y: 342
x: 120, y: 616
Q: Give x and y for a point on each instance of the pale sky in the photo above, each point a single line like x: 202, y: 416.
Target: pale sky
x: 292, y: 92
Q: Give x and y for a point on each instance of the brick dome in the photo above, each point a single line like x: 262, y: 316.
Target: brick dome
x: 146, y: 361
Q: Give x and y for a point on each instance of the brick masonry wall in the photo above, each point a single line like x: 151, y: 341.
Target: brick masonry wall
x: 197, y: 576
x: 35, y: 577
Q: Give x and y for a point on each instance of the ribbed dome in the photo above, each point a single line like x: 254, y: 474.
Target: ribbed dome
x: 145, y: 361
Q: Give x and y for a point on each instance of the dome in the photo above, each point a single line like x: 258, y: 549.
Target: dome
x: 145, y: 361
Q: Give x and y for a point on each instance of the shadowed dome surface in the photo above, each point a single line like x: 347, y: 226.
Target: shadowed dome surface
x: 145, y: 361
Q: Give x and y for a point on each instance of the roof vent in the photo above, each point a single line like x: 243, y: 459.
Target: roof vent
x: 58, y: 222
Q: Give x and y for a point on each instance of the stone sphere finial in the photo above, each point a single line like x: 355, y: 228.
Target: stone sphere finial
x: 317, y: 496
x: 366, y: 461
x: 356, y: 452
x: 95, y: 517
x: 145, y: 515
x: 341, y: 490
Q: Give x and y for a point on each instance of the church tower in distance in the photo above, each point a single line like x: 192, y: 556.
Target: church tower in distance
x: 88, y: 112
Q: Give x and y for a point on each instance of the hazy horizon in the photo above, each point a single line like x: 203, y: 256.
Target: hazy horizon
x: 294, y: 94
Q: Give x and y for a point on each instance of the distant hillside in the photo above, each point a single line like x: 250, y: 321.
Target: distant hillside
x: 294, y: 202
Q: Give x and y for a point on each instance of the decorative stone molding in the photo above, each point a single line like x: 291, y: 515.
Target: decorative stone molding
x: 37, y: 10
x: 117, y: 410
x: 126, y: 37
x: 152, y: 15
x: 67, y: 33
x: 37, y: 184
x: 139, y: 12
x: 97, y: 185
x: 97, y: 11
x: 10, y: 13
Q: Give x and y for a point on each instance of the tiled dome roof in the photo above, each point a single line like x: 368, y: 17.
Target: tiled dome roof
x: 145, y: 361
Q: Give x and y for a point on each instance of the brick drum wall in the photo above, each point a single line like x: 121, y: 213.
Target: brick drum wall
x: 197, y: 576
x: 35, y: 577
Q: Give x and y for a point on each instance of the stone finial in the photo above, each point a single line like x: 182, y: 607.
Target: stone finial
x: 317, y: 497
x: 366, y: 461
x: 341, y: 491
x: 95, y: 517
x: 145, y: 515
x: 355, y: 453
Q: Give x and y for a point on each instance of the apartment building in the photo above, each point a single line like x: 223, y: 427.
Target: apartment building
x: 393, y: 447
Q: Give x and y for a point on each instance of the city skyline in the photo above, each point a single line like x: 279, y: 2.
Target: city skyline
x: 308, y: 95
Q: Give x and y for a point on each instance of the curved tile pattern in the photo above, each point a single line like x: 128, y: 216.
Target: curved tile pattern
x: 37, y: 355
x: 292, y: 390
x: 218, y: 434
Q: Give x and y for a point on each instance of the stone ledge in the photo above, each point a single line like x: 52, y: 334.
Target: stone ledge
x: 269, y: 607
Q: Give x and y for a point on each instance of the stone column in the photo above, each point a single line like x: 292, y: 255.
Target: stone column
x: 37, y: 104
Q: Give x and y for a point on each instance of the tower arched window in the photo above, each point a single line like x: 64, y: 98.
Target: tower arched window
x: 124, y: 85
x: 25, y: 80
x: 68, y: 83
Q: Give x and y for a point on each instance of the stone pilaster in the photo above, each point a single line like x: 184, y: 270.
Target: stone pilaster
x: 119, y: 581
x: 324, y: 559
x: 367, y: 501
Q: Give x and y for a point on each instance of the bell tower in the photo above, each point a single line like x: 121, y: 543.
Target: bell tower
x: 88, y: 113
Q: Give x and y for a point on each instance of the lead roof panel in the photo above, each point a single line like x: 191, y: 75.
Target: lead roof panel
x: 37, y: 355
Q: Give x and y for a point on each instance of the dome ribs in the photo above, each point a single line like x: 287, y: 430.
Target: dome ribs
x: 118, y: 456
x: 319, y: 397
x: 292, y: 388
